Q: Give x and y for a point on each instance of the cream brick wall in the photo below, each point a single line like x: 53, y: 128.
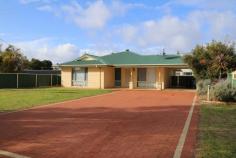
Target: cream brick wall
x: 66, y: 76
x: 95, y: 77
x: 105, y: 78
x: 109, y: 77
x: 123, y: 80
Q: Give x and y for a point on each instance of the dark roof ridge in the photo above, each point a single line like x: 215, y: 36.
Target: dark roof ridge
x: 122, y: 52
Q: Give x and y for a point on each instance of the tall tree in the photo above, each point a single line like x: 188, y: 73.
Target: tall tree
x: 47, y: 64
x: 36, y: 64
x: 212, y: 61
x: 198, y: 61
x: 222, y: 58
x: 11, y: 60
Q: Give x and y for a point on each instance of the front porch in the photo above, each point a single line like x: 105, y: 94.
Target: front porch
x: 128, y: 77
x: 141, y: 77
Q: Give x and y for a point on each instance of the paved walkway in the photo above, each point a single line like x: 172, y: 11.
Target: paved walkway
x: 123, y: 124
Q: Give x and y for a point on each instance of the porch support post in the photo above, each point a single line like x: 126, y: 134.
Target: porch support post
x: 131, y: 85
x: 160, y: 80
x: 100, y: 76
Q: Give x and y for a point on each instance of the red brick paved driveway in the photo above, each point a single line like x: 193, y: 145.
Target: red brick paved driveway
x: 123, y: 124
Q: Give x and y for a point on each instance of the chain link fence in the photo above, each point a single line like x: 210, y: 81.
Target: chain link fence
x: 27, y: 80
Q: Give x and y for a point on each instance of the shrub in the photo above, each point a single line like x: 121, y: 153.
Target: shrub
x: 202, y: 86
x: 223, y: 91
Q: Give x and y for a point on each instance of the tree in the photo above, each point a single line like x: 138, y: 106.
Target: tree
x: 212, y: 61
x: 36, y: 64
x: 47, y: 64
x: 222, y: 58
x: 11, y: 60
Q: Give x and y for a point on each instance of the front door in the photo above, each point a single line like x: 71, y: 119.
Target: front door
x: 117, y: 77
x: 151, y: 78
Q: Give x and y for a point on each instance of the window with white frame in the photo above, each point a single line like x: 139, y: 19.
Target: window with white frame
x: 79, y: 76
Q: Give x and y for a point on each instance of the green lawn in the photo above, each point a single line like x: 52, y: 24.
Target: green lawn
x: 15, y: 99
x: 217, y: 131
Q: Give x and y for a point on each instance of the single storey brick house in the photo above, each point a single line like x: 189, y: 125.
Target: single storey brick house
x: 127, y: 70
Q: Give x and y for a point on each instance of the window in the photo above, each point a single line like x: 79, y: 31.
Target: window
x: 188, y: 73
x: 79, y: 76
x: 86, y: 74
x: 142, y: 74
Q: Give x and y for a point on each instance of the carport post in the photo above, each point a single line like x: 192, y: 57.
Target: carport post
x: 17, y: 80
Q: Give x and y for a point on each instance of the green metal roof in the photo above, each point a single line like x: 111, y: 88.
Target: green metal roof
x: 82, y: 62
x: 128, y: 58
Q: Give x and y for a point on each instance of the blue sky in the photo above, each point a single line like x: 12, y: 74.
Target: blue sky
x: 62, y: 30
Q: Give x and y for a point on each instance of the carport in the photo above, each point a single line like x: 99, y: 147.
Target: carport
x: 182, y: 78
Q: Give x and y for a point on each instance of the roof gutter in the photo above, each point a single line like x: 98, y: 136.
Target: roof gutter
x: 129, y: 65
x: 83, y: 65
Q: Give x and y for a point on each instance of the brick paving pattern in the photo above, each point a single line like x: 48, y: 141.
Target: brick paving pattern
x: 123, y: 124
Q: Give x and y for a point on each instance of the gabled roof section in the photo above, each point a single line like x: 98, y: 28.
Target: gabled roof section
x: 85, y: 60
x: 126, y: 58
x: 90, y: 57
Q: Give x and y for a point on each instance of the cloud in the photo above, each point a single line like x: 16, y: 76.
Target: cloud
x: 43, y: 49
x: 128, y: 32
x: 180, y: 34
x: 200, y: 21
x: 169, y: 32
x: 49, y: 8
x: 45, y: 8
x: 215, y: 25
x: 95, y: 15
x: 2, y: 34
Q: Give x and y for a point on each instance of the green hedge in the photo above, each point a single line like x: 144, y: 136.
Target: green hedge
x: 223, y: 91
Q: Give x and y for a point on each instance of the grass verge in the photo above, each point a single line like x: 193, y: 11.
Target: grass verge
x: 16, y: 99
x: 217, y: 135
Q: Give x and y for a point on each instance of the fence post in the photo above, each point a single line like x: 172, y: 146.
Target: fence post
x: 208, y: 92
x: 51, y: 80
x: 17, y: 80
x: 36, y: 80
x: 57, y: 80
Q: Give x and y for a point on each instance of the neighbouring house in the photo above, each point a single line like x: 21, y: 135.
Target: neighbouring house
x: 127, y: 70
x: 232, y: 78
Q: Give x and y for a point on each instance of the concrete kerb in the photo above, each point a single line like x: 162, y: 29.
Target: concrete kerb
x: 12, y: 155
x: 180, y: 145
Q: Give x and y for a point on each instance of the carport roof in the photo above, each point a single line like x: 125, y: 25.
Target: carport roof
x: 126, y: 58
